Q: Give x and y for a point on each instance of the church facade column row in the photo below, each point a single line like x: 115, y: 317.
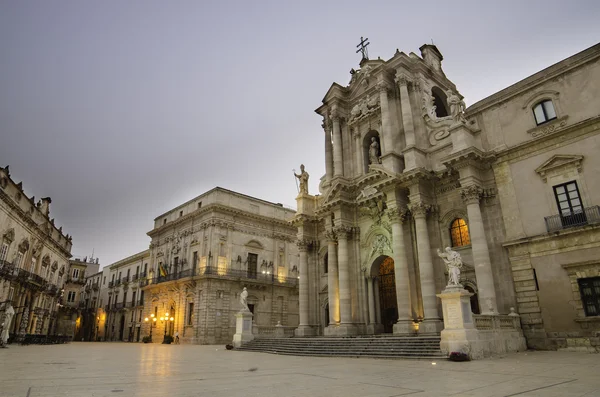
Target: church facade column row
x: 344, y: 275
x: 431, y: 323
x: 304, y: 327
x: 481, y: 255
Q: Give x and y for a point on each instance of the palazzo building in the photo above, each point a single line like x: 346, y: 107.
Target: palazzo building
x: 34, y: 260
x: 510, y: 183
x: 202, y: 254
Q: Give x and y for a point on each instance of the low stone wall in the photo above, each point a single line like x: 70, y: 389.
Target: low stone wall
x: 499, y: 334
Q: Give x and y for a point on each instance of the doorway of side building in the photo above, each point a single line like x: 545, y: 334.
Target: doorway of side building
x: 387, y: 294
x: 121, y: 327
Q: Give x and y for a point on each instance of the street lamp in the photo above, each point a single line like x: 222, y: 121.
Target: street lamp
x: 152, y: 321
x: 165, y: 320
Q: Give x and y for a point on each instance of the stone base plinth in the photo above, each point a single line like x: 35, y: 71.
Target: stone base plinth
x: 341, y: 330
x: 404, y: 327
x: 430, y: 327
x: 305, y: 330
x: 374, y: 329
x: 243, y: 328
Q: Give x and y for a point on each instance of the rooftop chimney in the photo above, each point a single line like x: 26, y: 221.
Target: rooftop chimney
x: 45, y: 207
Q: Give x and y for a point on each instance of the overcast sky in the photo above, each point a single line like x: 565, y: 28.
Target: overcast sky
x: 121, y: 110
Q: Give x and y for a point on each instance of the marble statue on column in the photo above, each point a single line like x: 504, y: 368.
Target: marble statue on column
x: 303, y: 178
x: 453, y: 263
x: 244, y: 300
x: 8, y: 316
x: 374, y: 152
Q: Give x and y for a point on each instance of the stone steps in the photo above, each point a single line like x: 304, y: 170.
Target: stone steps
x: 375, y: 347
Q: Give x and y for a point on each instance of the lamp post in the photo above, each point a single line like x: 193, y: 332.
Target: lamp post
x: 165, y: 320
x: 152, y: 321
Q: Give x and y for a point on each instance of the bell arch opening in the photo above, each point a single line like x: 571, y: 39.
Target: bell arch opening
x: 440, y: 101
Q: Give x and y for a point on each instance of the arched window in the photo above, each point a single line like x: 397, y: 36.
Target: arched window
x: 544, y: 112
x: 459, y: 233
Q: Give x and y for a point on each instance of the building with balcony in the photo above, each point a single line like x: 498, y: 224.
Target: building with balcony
x: 34, y: 260
x: 203, y: 253
x: 510, y: 183
x: 121, y: 304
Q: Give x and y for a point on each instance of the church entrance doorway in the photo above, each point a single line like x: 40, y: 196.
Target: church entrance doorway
x: 387, y: 294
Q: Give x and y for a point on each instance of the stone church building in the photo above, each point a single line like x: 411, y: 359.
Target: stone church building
x: 511, y: 183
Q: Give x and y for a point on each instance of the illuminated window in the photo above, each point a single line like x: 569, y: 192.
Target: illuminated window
x: 459, y: 233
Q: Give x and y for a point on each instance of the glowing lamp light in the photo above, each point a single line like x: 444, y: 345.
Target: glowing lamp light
x: 154, y: 319
x: 146, y: 319
x: 171, y: 319
x: 162, y: 319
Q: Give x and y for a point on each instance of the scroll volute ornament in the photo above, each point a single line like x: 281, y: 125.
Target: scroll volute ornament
x: 471, y: 194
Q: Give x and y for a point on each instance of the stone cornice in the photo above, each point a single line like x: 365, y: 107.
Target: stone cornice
x: 561, y: 137
x: 468, y: 157
x: 216, y: 207
x: 38, y: 231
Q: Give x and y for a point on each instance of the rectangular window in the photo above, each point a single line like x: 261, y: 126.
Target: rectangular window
x: 142, y: 298
x: 19, y: 259
x: 199, y: 204
x: 569, y: 204
x: 11, y: 293
x: 104, y: 281
x: 165, y: 221
x: 124, y: 298
x: 190, y: 319
x: 75, y: 273
x: 252, y: 265
x: 145, y: 268
x: 44, y: 271
x: 590, y: 295
x: 33, y: 264
x: 71, y: 296
x: 3, y: 252
x: 195, y: 259
x: 137, y: 271
x: 180, y: 214
x: 133, y: 298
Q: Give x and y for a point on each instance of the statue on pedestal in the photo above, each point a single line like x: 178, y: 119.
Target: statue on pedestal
x: 303, y: 178
x: 457, y: 106
x: 453, y: 263
x: 8, y: 315
x: 244, y: 300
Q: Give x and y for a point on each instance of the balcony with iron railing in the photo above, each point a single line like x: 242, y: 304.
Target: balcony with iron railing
x: 118, y: 306
x: 125, y: 280
x: 213, y: 271
x: 586, y: 216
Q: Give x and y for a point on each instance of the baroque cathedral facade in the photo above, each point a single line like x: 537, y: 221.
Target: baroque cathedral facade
x: 509, y: 183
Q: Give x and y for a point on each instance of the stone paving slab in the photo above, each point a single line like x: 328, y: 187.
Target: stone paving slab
x: 123, y: 369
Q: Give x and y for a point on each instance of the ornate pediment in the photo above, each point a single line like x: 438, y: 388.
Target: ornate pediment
x: 558, y: 164
x: 254, y: 244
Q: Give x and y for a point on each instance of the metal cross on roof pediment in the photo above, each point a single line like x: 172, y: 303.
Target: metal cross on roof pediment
x: 362, y: 47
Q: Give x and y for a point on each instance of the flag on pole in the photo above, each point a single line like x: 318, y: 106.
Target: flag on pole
x: 162, y: 271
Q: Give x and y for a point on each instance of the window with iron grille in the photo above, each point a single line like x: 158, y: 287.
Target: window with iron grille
x: 589, y: 289
x: 3, y: 251
x: 459, y: 233
x: 569, y: 204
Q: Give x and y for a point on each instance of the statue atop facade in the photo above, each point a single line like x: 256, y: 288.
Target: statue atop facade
x: 303, y: 178
x: 453, y: 263
x: 244, y: 300
x: 8, y: 315
x: 457, y: 106
x: 374, y: 152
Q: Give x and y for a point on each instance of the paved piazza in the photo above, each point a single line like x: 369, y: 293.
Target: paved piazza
x: 122, y: 369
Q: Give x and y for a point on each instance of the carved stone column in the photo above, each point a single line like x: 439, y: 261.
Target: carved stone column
x: 371, y: 299
x: 359, y: 153
x: 338, y: 165
x: 481, y: 255
x: 303, y: 246
x: 344, y: 275
x: 332, y: 278
x: 407, y: 118
x: 404, y: 324
x: 431, y: 323
x: 328, y: 152
x: 386, y: 126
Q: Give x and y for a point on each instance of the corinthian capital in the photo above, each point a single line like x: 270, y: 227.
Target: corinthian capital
x: 471, y: 194
x: 402, y: 80
x: 397, y: 214
x: 383, y: 86
x: 334, y: 114
x: 303, y: 244
x: 330, y: 236
x: 343, y: 232
x: 419, y: 209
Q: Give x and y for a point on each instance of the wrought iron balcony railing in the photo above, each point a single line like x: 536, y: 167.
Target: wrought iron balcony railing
x: 587, y: 216
x: 225, y: 273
